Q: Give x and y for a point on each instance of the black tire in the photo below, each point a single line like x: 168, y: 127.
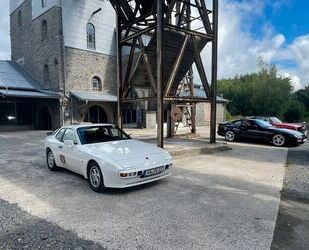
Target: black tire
x: 95, y: 177
x: 230, y: 136
x: 50, y: 160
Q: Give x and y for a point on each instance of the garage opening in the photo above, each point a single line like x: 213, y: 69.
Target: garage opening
x: 96, y: 114
x: 44, y: 120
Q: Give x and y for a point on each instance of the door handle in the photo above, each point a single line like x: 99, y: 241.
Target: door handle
x: 59, y: 146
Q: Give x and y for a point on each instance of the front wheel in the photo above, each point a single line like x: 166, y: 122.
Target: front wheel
x: 278, y: 140
x: 50, y: 159
x: 95, y: 177
x: 230, y: 136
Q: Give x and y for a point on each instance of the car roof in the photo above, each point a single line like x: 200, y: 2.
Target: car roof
x: 76, y: 126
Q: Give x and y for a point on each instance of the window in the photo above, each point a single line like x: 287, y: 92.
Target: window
x: 19, y: 18
x: 96, y: 84
x: 99, y: 134
x: 129, y: 116
x: 46, y: 74
x: 44, y: 3
x: 44, y: 29
x: 69, y: 136
x: 236, y: 124
x: 60, y: 134
x: 90, y: 36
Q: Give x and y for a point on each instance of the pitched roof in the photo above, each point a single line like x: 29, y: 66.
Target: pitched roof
x: 14, y: 76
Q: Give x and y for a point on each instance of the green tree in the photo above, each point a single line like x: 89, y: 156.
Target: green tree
x: 302, y: 96
x: 271, y: 93
x: 295, y: 111
x: 262, y: 93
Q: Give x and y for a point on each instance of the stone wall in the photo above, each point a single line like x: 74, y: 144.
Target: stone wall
x: 28, y: 43
x: 80, y: 108
x: 151, y: 119
x: 203, y: 113
x: 81, y: 66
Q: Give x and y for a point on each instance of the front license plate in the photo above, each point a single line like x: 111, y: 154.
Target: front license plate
x: 154, y: 171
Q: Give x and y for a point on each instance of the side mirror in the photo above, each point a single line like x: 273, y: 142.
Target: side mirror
x: 49, y: 133
x: 69, y: 143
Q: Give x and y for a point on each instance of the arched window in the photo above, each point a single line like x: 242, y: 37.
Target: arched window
x: 46, y: 74
x: 96, y: 84
x: 19, y: 18
x: 44, y: 29
x: 90, y: 36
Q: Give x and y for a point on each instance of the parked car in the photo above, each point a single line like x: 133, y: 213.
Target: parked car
x: 106, y: 156
x: 276, y: 122
x: 256, y: 129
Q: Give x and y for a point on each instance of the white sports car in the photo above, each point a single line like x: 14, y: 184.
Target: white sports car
x: 106, y: 156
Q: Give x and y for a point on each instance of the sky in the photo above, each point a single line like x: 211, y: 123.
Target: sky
x: 276, y: 31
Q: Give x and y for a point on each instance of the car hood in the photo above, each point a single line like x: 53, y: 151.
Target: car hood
x: 287, y: 131
x: 129, y: 152
x: 287, y: 125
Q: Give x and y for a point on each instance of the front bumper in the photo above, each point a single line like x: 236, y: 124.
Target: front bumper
x: 301, y: 141
x: 130, y: 182
x: 113, y: 180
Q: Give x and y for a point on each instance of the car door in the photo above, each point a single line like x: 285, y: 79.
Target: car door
x: 254, y: 131
x: 243, y: 130
x: 70, y: 153
x: 57, y: 148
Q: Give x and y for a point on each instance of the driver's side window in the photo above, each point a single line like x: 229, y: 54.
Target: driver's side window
x: 69, y: 135
x: 60, y: 134
x: 244, y: 124
x: 249, y: 124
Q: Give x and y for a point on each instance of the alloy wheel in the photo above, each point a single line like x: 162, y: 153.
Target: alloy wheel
x: 229, y: 136
x: 94, y: 176
x: 278, y: 140
x: 51, y: 160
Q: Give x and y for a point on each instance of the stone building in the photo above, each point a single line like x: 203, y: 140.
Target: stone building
x: 68, y: 49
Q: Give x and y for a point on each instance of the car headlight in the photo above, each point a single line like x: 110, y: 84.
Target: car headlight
x: 124, y: 174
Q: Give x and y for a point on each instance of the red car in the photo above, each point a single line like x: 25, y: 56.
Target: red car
x: 274, y: 121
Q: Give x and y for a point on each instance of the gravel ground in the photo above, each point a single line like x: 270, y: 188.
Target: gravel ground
x: 226, y: 200
x: 20, y: 230
x: 292, y: 229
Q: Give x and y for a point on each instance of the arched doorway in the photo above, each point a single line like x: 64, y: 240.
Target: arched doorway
x: 96, y: 114
x: 44, y: 120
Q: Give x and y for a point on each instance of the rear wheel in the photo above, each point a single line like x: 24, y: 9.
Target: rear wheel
x: 278, y: 140
x: 50, y: 159
x: 230, y: 136
x: 95, y: 177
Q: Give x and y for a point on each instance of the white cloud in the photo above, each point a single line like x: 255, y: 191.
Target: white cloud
x: 239, y: 49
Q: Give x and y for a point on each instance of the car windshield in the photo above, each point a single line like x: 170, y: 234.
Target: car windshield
x: 97, y: 134
x: 263, y: 124
x: 275, y: 120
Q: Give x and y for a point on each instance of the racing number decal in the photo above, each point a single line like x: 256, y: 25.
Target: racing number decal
x: 62, y: 159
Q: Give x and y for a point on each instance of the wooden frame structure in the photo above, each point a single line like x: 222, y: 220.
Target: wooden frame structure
x: 163, y: 39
